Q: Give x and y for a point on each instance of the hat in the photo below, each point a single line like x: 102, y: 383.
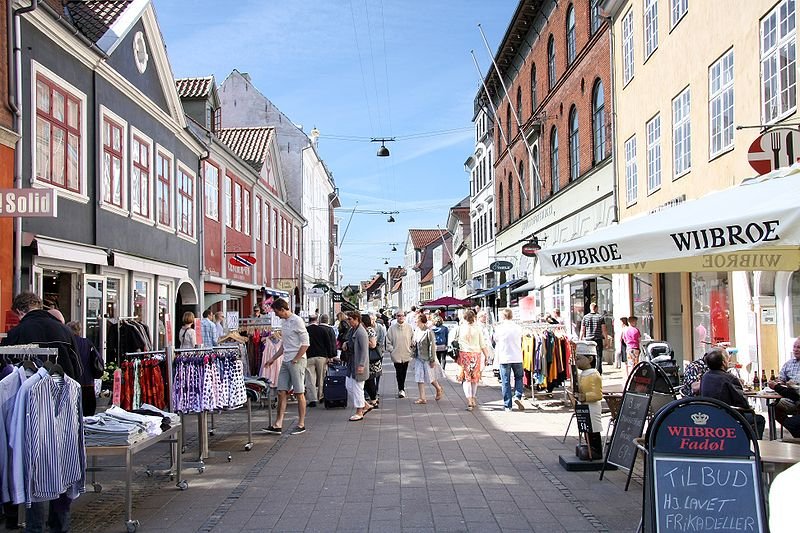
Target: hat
x: 586, y: 348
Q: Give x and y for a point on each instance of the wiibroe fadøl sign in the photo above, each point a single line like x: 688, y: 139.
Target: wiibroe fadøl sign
x: 702, y: 472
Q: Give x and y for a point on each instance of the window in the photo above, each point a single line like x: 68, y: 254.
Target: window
x: 113, y: 161
x: 570, y: 34
x: 574, y: 145
x: 491, y: 223
x: 554, y: 183
x: 778, y: 61
x: 141, y: 184
x: 257, y: 219
x: 246, y: 207
x: 267, y: 230
x: 551, y: 62
x: 631, y: 185
x: 212, y: 190
x: 519, y: 106
x: 720, y: 104
x: 164, y: 188
x: 534, y: 96
x: 237, y: 206
x: 681, y: 134
x: 510, y: 198
x: 228, y: 199
x: 598, y: 122
x: 275, y: 227
x: 508, y: 125
x: 650, y: 27
x: 217, y: 120
x: 654, y: 154
x: 627, y: 48
x: 501, y: 206
x: 595, y: 19
x: 59, y: 136
x: 521, y: 189
x: 677, y: 11
x: 185, y: 202
x: 537, y: 177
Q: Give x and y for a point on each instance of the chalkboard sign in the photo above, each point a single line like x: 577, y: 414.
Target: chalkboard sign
x: 629, y: 426
x: 584, y: 417
x: 704, y: 494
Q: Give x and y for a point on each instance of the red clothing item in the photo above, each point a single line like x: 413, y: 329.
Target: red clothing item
x: 631, y: 336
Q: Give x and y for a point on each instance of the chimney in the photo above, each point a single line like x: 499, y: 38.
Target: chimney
x: 246, y: 76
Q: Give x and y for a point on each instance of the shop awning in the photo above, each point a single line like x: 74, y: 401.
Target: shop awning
x: 211, y: 298
x: 276, y: 292
x: 149, y: 266
x: 752, y: 226
x: 70, y: 251
x: 512, y: 283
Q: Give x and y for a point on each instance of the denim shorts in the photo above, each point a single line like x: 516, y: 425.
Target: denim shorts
x: 292, y: 376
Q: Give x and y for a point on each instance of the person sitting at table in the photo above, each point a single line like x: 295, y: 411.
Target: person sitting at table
x: 787, y: 386
x: 717, y: 383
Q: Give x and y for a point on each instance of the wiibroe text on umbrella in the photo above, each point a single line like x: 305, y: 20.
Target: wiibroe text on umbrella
x: 732, y: 235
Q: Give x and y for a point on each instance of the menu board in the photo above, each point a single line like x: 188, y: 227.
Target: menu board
x: 629, y: 426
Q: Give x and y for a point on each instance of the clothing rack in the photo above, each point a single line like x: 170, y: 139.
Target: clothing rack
x: 202, y: 417
x: 166, y: 353
x: 119, y: 320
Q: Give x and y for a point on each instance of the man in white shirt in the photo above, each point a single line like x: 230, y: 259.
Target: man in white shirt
x: 292, y: 375
x: 398, y: 344
x: 508, y: 354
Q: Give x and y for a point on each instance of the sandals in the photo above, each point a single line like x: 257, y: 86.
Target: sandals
x: 420, y: 401
x: 469, y: 408
x: 368, y: 408
x: 439, y: 394
x: 355, y: 418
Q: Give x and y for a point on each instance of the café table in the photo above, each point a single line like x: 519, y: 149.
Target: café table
x: 772, y: 398
x: 777, y: 456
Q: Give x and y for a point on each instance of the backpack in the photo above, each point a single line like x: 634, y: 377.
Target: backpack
x: 440, y: 333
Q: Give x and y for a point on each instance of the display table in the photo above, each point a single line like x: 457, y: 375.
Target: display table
x: 772, y: 398
x: 172, y: 436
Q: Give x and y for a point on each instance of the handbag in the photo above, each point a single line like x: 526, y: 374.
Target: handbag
x: 96, y: 366
x: 374, y: 355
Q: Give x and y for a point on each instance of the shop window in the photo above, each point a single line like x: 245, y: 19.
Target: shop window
x: 795, y: 296
x: 141, y: 301
x: 711, y: 317
x: 163, y: 312
x: 141, y: 175
x: 643, y: 307
x: 113, y: 297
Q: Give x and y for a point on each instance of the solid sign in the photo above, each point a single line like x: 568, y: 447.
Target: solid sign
x: 27, y: 203
x: 530, y: 249
x: 501, y: 266
x: 242, y: 260
x: 774, y: 149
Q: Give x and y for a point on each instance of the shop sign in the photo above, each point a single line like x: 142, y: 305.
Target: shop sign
x: 232, y: 321
x: 285, y: 284
x: 240, y: 260
x: 28, y: 203
x: 501, y: 266
x: 704, y: 474
x: 530, y: 249
x: 769, y: 316
x: 774, y: 149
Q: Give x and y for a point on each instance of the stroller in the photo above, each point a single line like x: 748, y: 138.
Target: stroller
x: 660, y: 353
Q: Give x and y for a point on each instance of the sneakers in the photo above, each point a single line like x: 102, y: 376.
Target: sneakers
x: 272, y: 430
x: 401, y: 394
x: 519, y: 404
x: 298, y: 430
x: 507, y: 409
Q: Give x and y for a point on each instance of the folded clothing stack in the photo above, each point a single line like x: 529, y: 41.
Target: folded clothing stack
x: 105, y: 430
x: 174, y: 418
x: 152, y: 424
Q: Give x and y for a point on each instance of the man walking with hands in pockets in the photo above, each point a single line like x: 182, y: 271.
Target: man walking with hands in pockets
x: 293, y: 369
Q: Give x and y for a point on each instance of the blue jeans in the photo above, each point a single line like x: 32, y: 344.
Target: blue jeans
x: 58, y: 518
x: 505, y: 377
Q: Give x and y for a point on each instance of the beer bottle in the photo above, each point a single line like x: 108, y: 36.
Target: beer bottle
x: 763, y: 379
x: 772, y: 375
x: 756, y: 383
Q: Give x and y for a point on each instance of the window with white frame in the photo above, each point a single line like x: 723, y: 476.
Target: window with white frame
x: 164, y: 188
x: 681, y: 134
x: 141, y: 175
x: 211, y: 173
x: 650, y: 27
x: 720, y: 104
x: 627, y: 47
x: 237, y: 206
x: 677, y: 10
x: 60, y: 135
x: 113, y: 161
x: 555, y: 182
x: 654, y: 153
x: 570, y: 34
x: 631, y: 178
x: 491, y: 223
x: 275, y: 228
x: 185, y: 202
x: 257, y: 218
x: 267, y: 211
x: 246, y: 211
x: 778, y: 61
x: 228, y: 201
x: 536, y: 175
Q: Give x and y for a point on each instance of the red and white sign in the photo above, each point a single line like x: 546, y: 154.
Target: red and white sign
x: 242, y: 260
x: 774, y: 149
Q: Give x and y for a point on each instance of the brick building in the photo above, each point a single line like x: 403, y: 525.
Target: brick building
x: 552, y: 142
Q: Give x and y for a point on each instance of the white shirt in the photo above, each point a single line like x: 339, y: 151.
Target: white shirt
x: 508, y: 342
x: 783, y: 501
x: 294, y: 335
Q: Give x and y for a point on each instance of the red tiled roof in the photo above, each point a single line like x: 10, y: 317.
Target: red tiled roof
x: 420, y: 238
x: 194, y: 87
x: 250, y: 144
x: 397, y: 286
x: 93, y: 18
x: 427, y: 277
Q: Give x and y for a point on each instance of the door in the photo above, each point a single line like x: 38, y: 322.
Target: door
x: 36, y: 281
x: 94, y: 290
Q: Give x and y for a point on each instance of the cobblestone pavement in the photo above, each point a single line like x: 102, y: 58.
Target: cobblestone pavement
x: 406, y: 467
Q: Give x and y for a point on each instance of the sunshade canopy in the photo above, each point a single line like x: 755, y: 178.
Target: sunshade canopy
x: 446, y: 301
x: 753, y: 226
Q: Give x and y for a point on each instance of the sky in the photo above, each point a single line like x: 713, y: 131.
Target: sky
x: 355, y: 70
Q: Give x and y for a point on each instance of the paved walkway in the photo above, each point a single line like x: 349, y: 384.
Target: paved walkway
x: 406, y: 467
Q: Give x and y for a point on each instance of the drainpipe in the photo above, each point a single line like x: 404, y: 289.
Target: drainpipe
x: 15, y: 89
x: 201, y: 217
x: 615, y: 195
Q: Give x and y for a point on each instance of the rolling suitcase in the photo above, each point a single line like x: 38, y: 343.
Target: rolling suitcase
x: 333, y: 388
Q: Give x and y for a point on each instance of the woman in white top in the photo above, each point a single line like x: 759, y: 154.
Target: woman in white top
x: 424, y: 354
x: 472, y: 349
x: 186, y: 337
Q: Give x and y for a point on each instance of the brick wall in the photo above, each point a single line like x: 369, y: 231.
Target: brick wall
x: 574, y: 86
